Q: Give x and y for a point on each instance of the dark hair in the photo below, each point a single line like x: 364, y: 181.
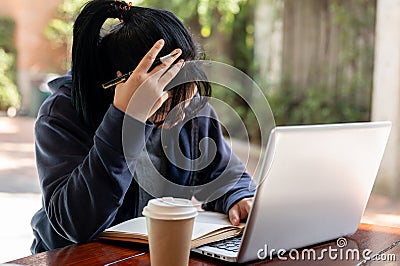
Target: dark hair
x: 96, y: 59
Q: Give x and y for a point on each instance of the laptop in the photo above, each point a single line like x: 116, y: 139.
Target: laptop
x: 314, y: 190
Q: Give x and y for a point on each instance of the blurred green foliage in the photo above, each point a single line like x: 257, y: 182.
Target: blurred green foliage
x: 349, y: 98
x: 7, y: 27
x: 318, y: 105
x: 9, y: 95
x: 59, y: 30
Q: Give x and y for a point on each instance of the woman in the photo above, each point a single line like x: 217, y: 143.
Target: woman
x: 87, y: 182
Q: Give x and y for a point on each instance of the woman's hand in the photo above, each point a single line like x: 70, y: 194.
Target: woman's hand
x: 240, y: 210
x: 143, y: 93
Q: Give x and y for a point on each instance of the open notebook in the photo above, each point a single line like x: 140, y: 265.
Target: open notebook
x: 208, y: 227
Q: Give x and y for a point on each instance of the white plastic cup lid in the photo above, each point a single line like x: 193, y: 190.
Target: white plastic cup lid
x: 169, y: 208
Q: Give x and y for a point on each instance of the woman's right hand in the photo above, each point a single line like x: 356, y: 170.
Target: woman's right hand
x: 143, y: 93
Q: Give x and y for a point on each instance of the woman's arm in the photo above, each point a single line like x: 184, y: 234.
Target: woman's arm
x: 231, y: 182
x: 84, y: 178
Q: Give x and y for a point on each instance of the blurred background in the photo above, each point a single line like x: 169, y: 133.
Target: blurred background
x: 317, y: 61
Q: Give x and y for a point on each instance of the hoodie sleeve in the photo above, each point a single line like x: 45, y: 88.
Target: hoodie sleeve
x: 225, y: 175
x: 83, y: 177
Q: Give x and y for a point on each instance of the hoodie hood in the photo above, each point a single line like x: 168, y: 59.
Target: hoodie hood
x: 60, y: 82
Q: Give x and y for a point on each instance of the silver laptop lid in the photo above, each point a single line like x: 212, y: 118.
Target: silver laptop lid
x: 317, y: 186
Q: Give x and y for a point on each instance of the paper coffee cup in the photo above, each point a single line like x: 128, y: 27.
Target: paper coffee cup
x: 169, y: 225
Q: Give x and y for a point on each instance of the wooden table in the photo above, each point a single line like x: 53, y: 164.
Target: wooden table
x: 373, y: 237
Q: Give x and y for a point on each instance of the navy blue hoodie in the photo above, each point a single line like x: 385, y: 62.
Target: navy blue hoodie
x: 85, y: 180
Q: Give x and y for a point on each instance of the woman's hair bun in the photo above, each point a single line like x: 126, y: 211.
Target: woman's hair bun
x: 123, y: 8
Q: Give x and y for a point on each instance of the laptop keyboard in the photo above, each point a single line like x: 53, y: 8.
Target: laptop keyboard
x: 231, y: 244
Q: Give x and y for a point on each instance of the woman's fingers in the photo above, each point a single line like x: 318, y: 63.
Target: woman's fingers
x: 145, y: 89
x: 147, y: 61
x: 234, y: 214
x: 168, y: 61
x: 140, y: 74
x: 168, y: 75
x: 119, y: 73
